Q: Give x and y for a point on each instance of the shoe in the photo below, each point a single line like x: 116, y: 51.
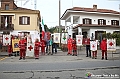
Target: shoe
x: 86, y: 56
x: 95, y: 58
x: 20, y: 58
x: 23, y: 58
x: 92, y: 57
x: 106, y: 58
x: 102, y: 58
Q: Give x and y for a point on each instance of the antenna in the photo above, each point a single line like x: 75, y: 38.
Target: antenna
x: 35, y: 2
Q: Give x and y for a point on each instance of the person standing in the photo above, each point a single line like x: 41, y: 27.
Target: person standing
x: 50, y: 46
x: 22, y: 47
x: 0, y: 46
x: 93, y: 45
x: 74, y: 47
x: 69, y: 44
x: 103, y: 47
x: 87, y: 42
x: 42, y: 41
x: 36, y: 49
x: 54, y: 45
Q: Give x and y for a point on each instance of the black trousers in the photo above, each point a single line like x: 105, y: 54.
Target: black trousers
x: 88, y: 50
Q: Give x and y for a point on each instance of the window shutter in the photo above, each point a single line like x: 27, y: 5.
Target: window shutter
x: 104, y: 22
x: 111, y: 22
x: 83, y: 21
x: 28, y: 20
x: 117, y: 23
x: 98, y: 21
x: 20, y: 20
x: 2, y: 19
x: 90, y: 21
x: 10, y: 19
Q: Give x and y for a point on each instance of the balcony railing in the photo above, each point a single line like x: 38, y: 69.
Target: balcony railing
x: 10, y: 27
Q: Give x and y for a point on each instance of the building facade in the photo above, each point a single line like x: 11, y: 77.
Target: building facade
x: 91, y: 22
x: 16, y: 20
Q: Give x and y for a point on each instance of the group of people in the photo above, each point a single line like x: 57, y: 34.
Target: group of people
x: 49, y: 45
x: 72, y: 48
x: 103, y: 47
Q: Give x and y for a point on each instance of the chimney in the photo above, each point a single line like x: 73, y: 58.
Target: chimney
x: 94, y: 7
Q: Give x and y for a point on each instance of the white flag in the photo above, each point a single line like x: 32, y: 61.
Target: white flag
x: 93, y: 45
x: 111, y: 44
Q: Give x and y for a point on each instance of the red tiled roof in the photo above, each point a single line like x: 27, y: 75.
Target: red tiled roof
x: 93, y: 10
x: 20, y: 8
x: 95, y: 25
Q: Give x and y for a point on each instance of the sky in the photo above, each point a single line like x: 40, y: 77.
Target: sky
x: 49, y: 9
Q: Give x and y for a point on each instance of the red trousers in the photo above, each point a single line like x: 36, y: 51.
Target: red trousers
x: 43, y: 50
x: 22, y: 53
x: 36, y: 53
x: 94, y: 53
x: 9, y: 50
x: 104, y: 52
x: 70, y: 51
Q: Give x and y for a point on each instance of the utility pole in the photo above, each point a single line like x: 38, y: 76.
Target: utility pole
x: 59, y: 15
x: 60, y: 22
x: 0, y: 12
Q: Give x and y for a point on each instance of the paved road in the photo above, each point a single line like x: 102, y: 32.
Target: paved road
x: 59, y: 66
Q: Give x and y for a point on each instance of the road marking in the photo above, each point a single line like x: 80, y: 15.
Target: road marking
x: 3, y: 58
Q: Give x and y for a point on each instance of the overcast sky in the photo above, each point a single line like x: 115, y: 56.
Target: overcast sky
x: 49, y: 9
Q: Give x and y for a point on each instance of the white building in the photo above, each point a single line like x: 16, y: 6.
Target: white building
x: 90, y: 21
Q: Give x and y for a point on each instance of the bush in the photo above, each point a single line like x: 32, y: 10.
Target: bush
x: 114, y: 36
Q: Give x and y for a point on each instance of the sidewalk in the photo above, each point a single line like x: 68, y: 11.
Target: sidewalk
x: 63, y: 57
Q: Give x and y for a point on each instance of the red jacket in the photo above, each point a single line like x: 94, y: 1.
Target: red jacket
x: 22, y: 44
x: 37, y: 45
x: 42, y: 42
x: 103, y: 45
x: 86, y: 41
x: 74, y: 45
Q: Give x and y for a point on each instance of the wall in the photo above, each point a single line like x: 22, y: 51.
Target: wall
x: 33, y: 22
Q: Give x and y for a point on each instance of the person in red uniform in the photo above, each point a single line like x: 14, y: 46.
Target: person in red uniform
x: 69, y: 44
x: 36, y: 49
x: 42, y: 41
x: 22, y: 47
x: 103, y: 47
x: 10, y: 48
x: 25, y: 41
x: 74, y: 47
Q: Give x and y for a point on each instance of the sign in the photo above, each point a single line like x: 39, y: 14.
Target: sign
x: 93, y: 45
x: 56, y: 37
x: 79, y: 39
x: 64, y: 38
x: 30, y: 45
x: 111, y: 44
x: 6, y: 40
x: 15, y: 45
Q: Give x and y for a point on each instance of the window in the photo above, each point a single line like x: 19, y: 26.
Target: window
x: 87, y: 21
x: 101, y: 22
x: 7, y: 7
x: 114, y: 22
x: 24, y: 20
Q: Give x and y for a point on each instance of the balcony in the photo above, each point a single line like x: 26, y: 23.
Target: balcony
x: 10, y: 27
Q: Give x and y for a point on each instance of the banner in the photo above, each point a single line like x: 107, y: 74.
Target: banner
x: 64, y: 38
x: 79, y: 39
x: 15, y: 45
x: 30, y: 45
x: 93, y: 45
x: 6, y: 40
x: 111, y: 44
x: 57, y: 37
